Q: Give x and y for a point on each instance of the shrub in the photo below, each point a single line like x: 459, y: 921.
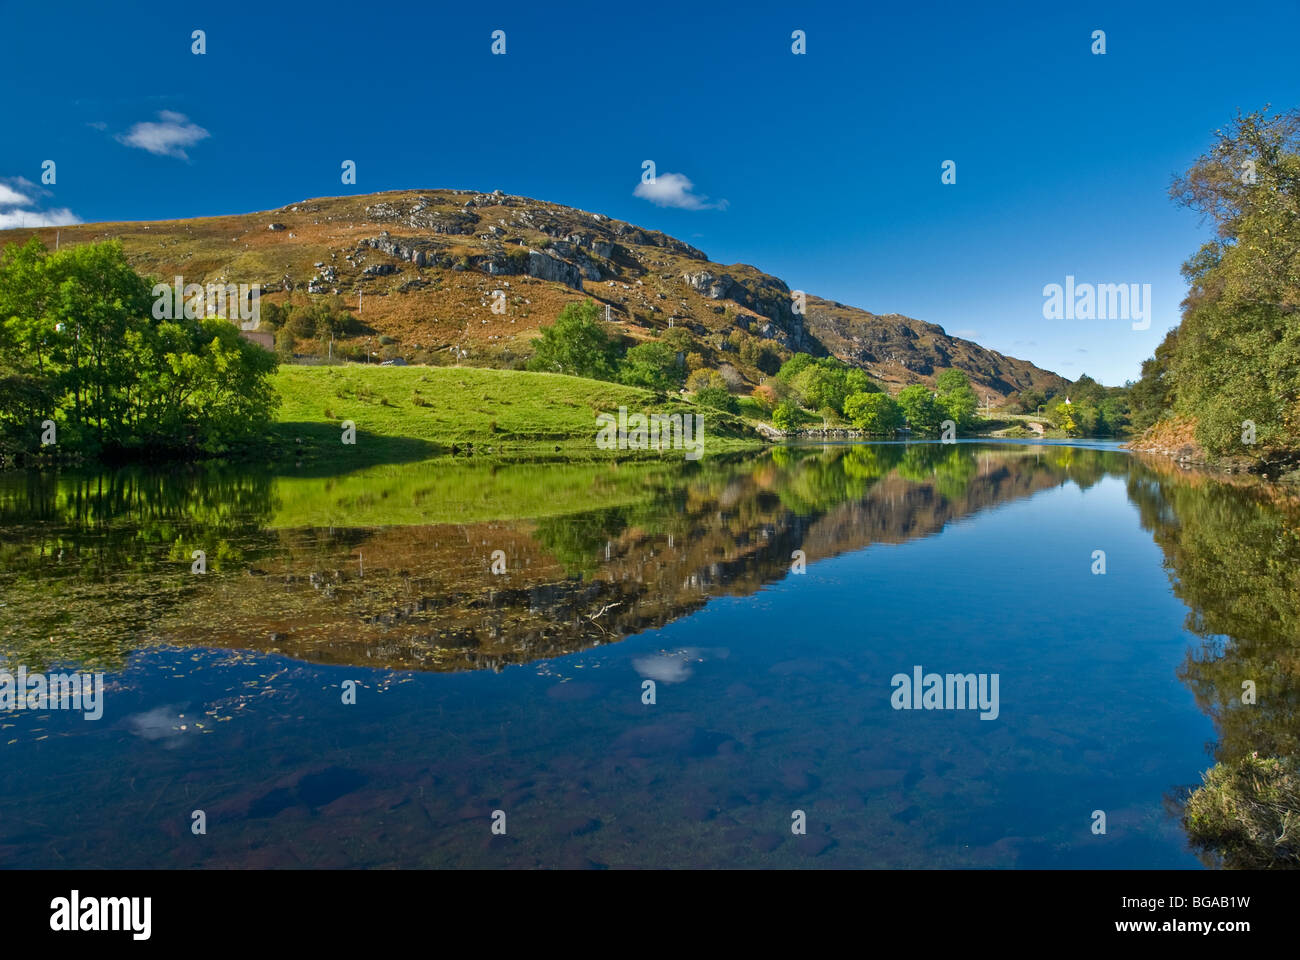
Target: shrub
x: 704, y: 379
x: 718, y: 397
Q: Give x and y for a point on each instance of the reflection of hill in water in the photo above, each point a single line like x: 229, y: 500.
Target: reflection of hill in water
x: 95, y: 567
x: 425, y: 597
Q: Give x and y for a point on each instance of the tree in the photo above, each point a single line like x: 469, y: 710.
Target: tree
x: 924, y: 413
x: 786, y: 416
x: 1030, y: 400
x: 795, y: 366
x: 1063, y: 415
x: 1152, y: 397
x: 576, y: 344
x: 652, y: 364
x: 824, y: 382
x: 81, y: 345
x: 1236, y: 357
x: 957, y: 397
x: 876, y: 414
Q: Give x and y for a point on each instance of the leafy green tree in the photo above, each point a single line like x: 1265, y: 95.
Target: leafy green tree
x: 1030, y: 400
x: 1064, y: 416
x: 923, y: 412
x: 652, y: 364
x: 957, y: 397
x: 576, y: 344
x: 1152, y: 397
x: 81, y: 346
x: 876, y: 414
x: 825, y: 382
x: 1236, y: 356
x: 795, y: 366
x: 786, y: 415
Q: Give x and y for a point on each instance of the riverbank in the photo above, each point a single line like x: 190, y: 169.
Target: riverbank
x: 1175, y: 440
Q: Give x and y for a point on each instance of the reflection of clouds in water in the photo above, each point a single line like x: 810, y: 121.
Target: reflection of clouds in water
x: 675, y: 667
x: 668, y: 669
x: 166, y: 723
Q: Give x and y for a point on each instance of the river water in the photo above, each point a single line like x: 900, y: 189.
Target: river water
x: 450, y: 664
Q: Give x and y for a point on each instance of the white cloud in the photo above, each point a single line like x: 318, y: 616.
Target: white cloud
x: 167, y: 137
x: 9, y: 197
x: 966, y: 334
x: 675, y: 190
x: 19, y: 206
x: 63, y: 217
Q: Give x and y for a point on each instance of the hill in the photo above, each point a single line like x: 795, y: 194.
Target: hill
x: 421, y: 268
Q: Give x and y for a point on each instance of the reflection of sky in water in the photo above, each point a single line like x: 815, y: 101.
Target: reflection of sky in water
x: 766, y: 704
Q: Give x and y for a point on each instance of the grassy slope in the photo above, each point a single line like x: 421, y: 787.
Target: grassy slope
x: 406, y: 413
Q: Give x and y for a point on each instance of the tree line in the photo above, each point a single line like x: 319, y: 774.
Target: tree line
x: 1231, y: 369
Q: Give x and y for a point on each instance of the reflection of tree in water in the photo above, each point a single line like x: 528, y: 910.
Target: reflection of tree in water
x: 422, y: 596
x: 89, y: 560
x: 1234, y: 558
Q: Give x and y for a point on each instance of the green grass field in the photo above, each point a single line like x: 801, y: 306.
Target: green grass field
x: 411, y: 413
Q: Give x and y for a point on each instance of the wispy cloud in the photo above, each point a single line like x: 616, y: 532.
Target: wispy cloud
x: 20, y: 206
x: 675, y: 190
x: 966, y: 334
x: 169, y: 136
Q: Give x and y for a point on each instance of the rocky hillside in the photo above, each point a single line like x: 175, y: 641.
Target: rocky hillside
x: 422, y: 268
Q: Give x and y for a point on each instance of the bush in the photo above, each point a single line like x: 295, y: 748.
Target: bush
x: 718, y: 397
x: 704, y: 379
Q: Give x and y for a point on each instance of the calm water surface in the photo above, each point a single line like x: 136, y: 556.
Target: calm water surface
x: 522, y: 691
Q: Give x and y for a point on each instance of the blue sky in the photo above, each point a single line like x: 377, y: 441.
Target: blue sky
x: 829, y: 163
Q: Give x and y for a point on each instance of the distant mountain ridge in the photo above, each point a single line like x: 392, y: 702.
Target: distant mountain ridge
x: 423, y: 268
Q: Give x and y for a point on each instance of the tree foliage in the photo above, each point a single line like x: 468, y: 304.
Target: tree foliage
x: 576, y: 344
x: 823, y: 382
x: 79, y: 346
x: 652, y: 364
x: 924, y: 413
x: 875, y: 414
x: 1236, y: 356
